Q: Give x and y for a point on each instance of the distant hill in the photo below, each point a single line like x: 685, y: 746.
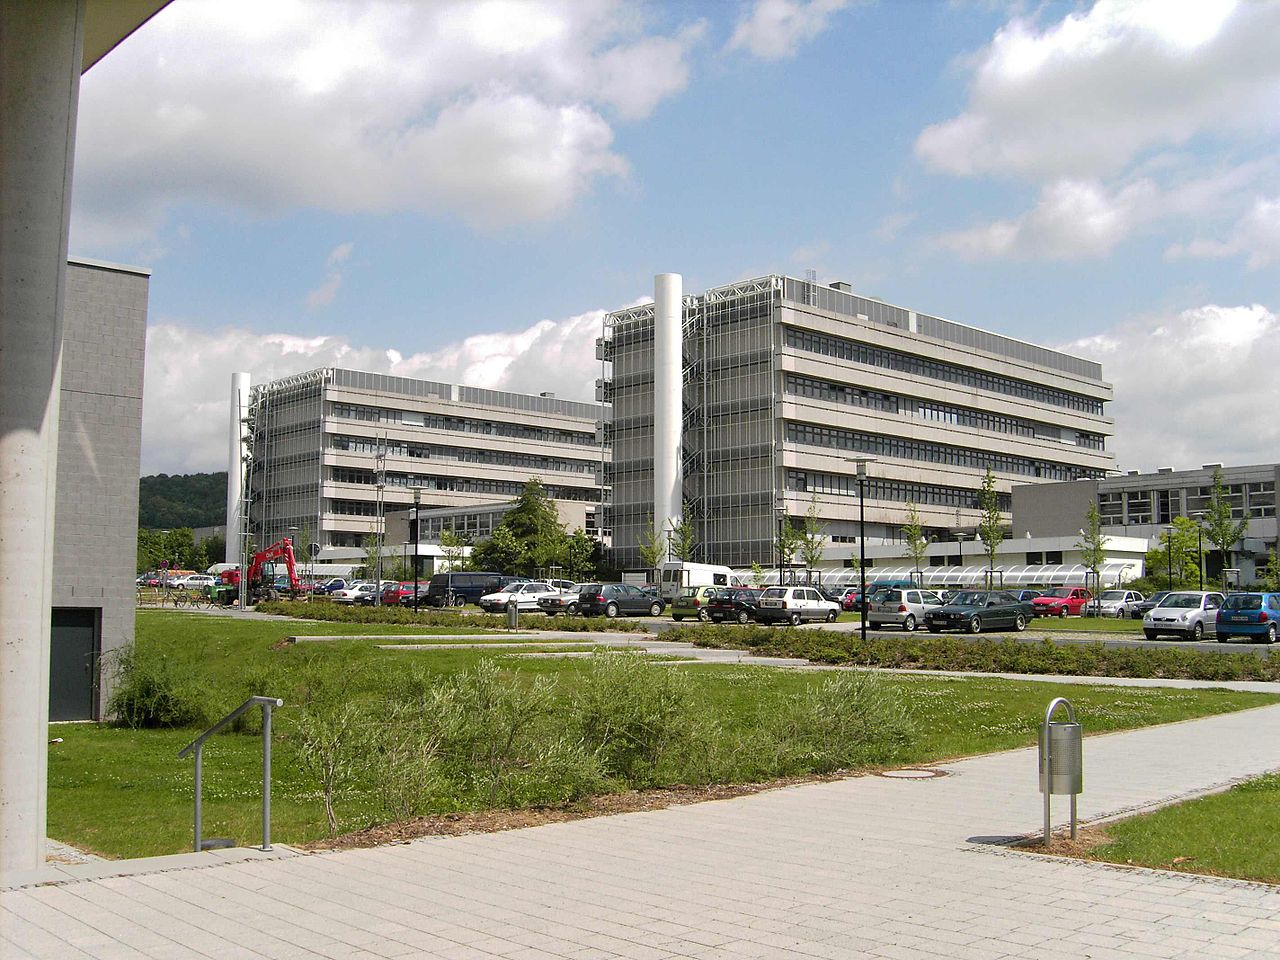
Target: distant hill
x: 186, y: 500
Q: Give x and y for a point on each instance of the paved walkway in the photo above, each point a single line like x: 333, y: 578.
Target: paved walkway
x: 867, y: 867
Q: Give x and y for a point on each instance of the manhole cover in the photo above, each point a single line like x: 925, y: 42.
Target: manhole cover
x: 913, y: 774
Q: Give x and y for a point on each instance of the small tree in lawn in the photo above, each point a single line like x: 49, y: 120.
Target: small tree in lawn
x: 1269, y: 573
x: 372, y: 553
x: 1093, y: 547
x: 1178, y: 547
x: 580, y: 558
x: 454, y: 548
x: 812, y: 536
x: 787, y: 543
x: 653, y: 547
x: 757, y: 573
x: 683, y: 537
x: 991, y: 525
x: 913, y: 534
x: 1219, y: 527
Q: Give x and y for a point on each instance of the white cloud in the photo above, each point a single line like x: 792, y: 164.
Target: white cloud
x: 188, y: 375
x: 1195, y: 387
x: 1255, y: 236
x: 1085, y: 96
x: 339, y: 254
x: 775, y: 29
x: 494, y: 111
x: 1073, y: 219
x: 323, y: 295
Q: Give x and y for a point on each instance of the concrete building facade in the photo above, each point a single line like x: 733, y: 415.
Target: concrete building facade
x: 99, y: 457
x: 332, y: 449
x: 1143, y: 505
x: 786, y: 382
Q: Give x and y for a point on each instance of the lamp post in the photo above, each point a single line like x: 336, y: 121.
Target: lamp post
x: 860, y: 471
x: 960, y: 539
x: 1169, y: 550
x: 1197, y: 517
x: 780, y: 508
x: 417, y: 535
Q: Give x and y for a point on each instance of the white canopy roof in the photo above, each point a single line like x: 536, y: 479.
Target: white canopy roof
x: 1005, y: 575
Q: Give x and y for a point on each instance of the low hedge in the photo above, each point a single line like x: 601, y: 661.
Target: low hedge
x: 933, y: 652
x: 350, y: 613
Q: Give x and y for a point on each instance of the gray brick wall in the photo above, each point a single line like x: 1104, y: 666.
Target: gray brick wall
x: 99, y: 446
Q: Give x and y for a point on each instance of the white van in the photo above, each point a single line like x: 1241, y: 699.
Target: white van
x: 676, y: 575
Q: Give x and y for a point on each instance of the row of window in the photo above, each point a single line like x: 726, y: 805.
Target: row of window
x: 462, y: 484
x: 918, y: 366
x: 422, y: 451
x: 1251, y: 500
x: 520, y: 431
x: 892, y: 491
x: 903, y: 449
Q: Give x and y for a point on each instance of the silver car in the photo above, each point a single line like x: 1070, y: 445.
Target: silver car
x: 1190, y: 614
x: 902, y: 607
x: 1117, y: 603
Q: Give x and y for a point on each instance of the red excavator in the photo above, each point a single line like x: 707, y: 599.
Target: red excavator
x: 261, y: 587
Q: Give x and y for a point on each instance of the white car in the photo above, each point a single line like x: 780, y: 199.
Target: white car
x: 195, y: 581
x: 1189, y: 614
x: 526, y: 596
x: 1117, y: 603
x: 364, y: 590
x: 904, y: 607
x: 794, y: 604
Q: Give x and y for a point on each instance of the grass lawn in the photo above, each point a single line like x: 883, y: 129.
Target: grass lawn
x: 1086, y: 625
x: 1229, y: 834
x: 123, y: 792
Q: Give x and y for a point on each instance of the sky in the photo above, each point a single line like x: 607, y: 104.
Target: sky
x: 460, y: 191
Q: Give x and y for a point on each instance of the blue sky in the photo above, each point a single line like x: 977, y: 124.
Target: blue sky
x: 459, y: 190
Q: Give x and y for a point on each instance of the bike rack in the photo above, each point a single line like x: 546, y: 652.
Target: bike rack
x: 197, y: 745
x: 1061, y: 760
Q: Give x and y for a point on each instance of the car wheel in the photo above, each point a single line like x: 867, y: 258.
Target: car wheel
x: 702, y: 615
x: 975, y: 624
x: 459, y: 601
x: 676, y: 619
x: 1062, y: 613
x: 611, y: 610
x: 1151, y: 634
x: 1271, y: 634
x: 743, y: 618
x: 655, y: 609
x: 794, y: 619
x: 1121, y: 613
x: 1019, y: 623
x: 571, y: 608
x: 933, y: 629
x: 832, y: 616
x: 1224, y: 638
x: 909, y: 624
x: 1197, y: 632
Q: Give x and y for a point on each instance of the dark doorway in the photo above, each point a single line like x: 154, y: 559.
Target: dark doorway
x: 73, y: 663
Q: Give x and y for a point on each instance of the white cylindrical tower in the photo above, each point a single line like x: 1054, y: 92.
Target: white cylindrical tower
x: 237, y: 448
x: 668, y: 474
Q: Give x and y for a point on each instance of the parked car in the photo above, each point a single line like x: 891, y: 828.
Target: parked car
x: 614, y: 599
x: 1061, y: 602
x: 1117, y: 603
x: 734, y: 603
x: 1139, y: 610
x: 1189, y: 614
x: 563, y: 601
x: 198, y: 581
x: 331, y: 586
x: 1252, y: 615
x: 903, y: 608
x: 388, y: 593
x: 978, y: 610
x: 525, y: 595
x: 795, y: 604
x: 397, y: 594
x: 693, y: 601
x: 1027, y: 595
x: 363, y: 592
x: 457, y: 589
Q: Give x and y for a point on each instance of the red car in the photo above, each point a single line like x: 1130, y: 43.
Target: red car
x: 397, y: 594
x: 1061, y: 601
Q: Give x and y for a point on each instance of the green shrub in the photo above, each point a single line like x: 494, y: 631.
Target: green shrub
x: 350, y: 613
x: 152, y: 688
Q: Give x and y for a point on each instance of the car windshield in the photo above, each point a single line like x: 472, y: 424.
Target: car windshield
x: 1181, y: 600
x: 1243, y: 601
x: 1112, y: 595
x: 969, y: 598
x: 774, y: 593
x: 1058, y: 592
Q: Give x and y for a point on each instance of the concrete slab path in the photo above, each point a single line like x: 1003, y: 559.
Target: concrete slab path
x: 866, y: 867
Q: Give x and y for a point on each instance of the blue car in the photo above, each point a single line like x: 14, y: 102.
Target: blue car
x: 1251, y: 615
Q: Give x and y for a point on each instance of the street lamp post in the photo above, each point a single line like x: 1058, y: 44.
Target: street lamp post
x: 960, y: 539
x: 860, y: 468
x: 417, y: 536
x: 1169, y: 550
x: 780, y: 508
x: 1197, y: 517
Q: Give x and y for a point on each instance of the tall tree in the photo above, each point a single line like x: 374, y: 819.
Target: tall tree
x: 991, y: 525
x: 813, y: 537
x: 1219, y: 527
x: 913, y: 534
x: 683, y: 536
x: 787, y: 542
x: 535, y: 524
x: 1179, y: 543
x: 1093, y: 546
x: 580, y: 559
x: 501, y: 552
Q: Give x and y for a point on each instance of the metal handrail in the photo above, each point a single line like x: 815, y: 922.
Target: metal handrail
x: 197, y: 745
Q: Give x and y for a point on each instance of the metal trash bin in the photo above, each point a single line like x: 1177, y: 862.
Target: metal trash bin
x: 1061, y: 761
x: 513, y: 615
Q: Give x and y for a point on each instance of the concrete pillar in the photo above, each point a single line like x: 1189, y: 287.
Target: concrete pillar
x: 40, y: 59
x: 668, y: 392
x: 236, y: 450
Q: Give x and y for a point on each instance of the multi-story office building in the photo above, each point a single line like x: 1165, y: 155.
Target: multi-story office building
x: 332, y: 449
x: 1144, y: 504
x: 782, y: 383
